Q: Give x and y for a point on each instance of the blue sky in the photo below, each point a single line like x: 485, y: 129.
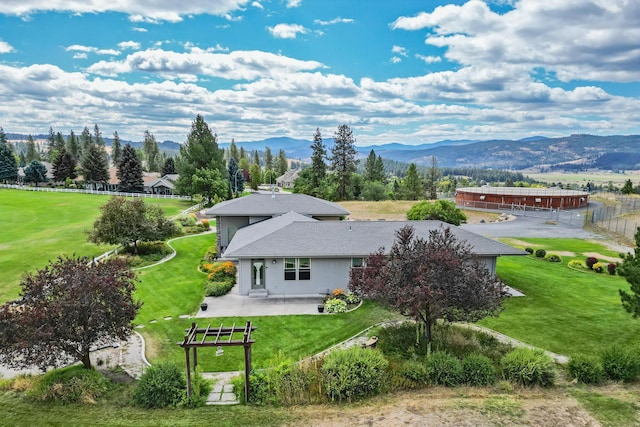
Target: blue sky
x: 395, y: 71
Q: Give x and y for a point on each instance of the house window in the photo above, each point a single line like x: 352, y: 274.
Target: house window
x: 357, y: 262
x: 538, y: 200
x: 289, y: 269
x: 304, y: 269
x: 299, y: 268
x: 482, y: 197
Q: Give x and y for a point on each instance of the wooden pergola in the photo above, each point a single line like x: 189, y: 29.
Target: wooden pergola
x: 218, y: 337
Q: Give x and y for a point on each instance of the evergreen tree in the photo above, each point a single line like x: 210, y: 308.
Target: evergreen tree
x: 343, y: 160
x: 32, y: 151
x: 243, y: 154
x: 627, y: 188
x: 58, y: 146
x: 318, y: 171
x: 151, y: 152
x: 116, y: 150
x: 236, y: 177
x: 94, y: 165
x: 373, y: 168
x: 73, y: 146
x: 8, y: 163
x: 64, y: 166
x: 233, y: 152
x: 412, y: 188
x: 256, y: 158
x: 255, y: 176
x: 86, y: 140
x: 97, y: 136
x: 36, y: 172
x: 169, y: 167
x: 630, y: 270
x: 281, y: 165
x: 268, y: 159
x: 199, y: 152
x: 130, y: 171
x: 433, y: 175
x: 51, y: 140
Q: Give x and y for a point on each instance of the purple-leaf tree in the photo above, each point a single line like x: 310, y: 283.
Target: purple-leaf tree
x: 65, y: 309
x: 436, y: 278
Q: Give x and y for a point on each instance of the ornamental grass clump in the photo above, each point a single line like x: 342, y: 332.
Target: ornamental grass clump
x: 444, y: 369
x: 621, y: 363
x: 585, y: 369
x: 528, y: 367
x: 73, y: 384
x: 160, y: 386
x: 353, y: 374
x: 478, y: 370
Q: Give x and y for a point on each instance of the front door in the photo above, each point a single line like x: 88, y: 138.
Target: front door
x: 257, y: 274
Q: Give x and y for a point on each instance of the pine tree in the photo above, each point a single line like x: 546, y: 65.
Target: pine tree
x: 169, y: 167
x: 373, y: 168
x: 199, y: 152
x: 256, y: 158
x: 64, y: 166
x: 73, y: 146
x: 36, y: 172
x: 343, y: 161
x: 412, y: 188
x: 281, y: 164
x: 97, y: 136
x: 432, y: 179
x: 236, y: 177
x: 627, y: 188
x: 8, y: 163
x: 94, y: 165
x: 86, y: 140
x: 32, y: 151
x: 233, y: 151
x: 318, y: 155
x: 130, y: 171
x: 51, y: 140
x: 268, y: 159
x: 116, y: 150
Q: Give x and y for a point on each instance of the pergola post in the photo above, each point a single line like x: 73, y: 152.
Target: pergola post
x: 186, y: 353
x: 247, y: 371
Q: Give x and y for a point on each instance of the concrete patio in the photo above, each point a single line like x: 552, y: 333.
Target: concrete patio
x: 237, y: 305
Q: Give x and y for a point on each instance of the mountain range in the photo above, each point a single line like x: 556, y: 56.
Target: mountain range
x: 574, y: 152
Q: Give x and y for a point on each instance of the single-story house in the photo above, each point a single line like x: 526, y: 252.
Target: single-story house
x: 288, y: 179
x: 163, y: 185
x: 232, y: 215
x: 293, y: 254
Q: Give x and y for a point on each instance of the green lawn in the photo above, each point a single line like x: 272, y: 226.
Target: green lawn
x: 565, y: 311
x: 37, y: 227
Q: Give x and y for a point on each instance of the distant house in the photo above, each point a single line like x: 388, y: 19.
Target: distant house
x: 48, y: 166
x: 234, y: 214
x: 163, y: 185
x: 293, y: 254
x: 287, y: 180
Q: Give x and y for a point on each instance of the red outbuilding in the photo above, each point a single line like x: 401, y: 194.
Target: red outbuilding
x: 504, y: 197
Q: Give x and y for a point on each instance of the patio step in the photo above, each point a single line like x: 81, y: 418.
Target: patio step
x: 258, y: 293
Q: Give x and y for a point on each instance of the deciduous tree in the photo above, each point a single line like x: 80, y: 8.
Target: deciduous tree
x: 209, y: 183
x: 65, y: 309
x: 441, y: 210
x: 429, y: 279
x: 125, y: 222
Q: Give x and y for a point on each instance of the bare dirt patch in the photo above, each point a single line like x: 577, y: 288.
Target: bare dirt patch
x: 518, y: 242
x: 563, y: 253
x: 454, y: 407
x: 600, y: 256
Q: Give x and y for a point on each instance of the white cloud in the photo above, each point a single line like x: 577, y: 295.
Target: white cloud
x: 257, y: 5
x: 334, y: 21
x: 80, y: 55
x: 429, y: 59
x: 293, y: 3
x: 5, y: 47
x: 129, y: 45
x: 90, y: 49
x: 395, y: 60
x: 287, y: 31
x: 399, y: 50
x: 140, y: 11
x: 593, y: 40
x: 237, y: 65
x: 139, y: 29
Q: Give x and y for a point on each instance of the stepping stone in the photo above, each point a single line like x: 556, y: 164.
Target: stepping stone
x: 153, y: 321
x: 168, y: 318
x: 139, y: 326
x: 183, y: 316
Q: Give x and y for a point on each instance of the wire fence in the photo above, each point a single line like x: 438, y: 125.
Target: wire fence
x: 623, y: 217
x: 88, y: 191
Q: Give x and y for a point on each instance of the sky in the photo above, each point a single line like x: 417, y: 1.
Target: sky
x: 403, y: 71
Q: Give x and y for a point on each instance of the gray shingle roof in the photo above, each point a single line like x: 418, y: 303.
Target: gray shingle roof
x: 293, y: 235
x: 267, y: 205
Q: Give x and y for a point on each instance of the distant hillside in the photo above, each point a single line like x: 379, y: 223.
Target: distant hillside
x: 575, y: 152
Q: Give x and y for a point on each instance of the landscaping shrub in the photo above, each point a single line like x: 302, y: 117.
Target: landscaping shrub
x: 587, y: 370
x: 576, y: 263
x: 478, y: 370
x: 212, y: 254
x: 221, y: 271
x: 590, y: 261
x: 554, y: 258
x: 598, y: 267
x: 148, y: 248
x: 339, y: 294
x: 352, y: 298
x: 540, y: 253
x: 444, y: 369
x: 621, y: 363
x: 72, y: 384
x: 353, y: 374
x: 415, y: 371
x: 403, y: 341
x: 217, y: 289
x: 200, y: 389
x: 528, y: 367
x: 205, y: 223
x: 611, y: 268
x: 461, y: 342
x: 335, y: 306
x: 160, y: 386
x: 528, y: 250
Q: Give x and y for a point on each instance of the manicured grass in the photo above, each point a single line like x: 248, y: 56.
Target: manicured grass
x: 609, y: 411
x: 565, y: 311
x: 37, y: 227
